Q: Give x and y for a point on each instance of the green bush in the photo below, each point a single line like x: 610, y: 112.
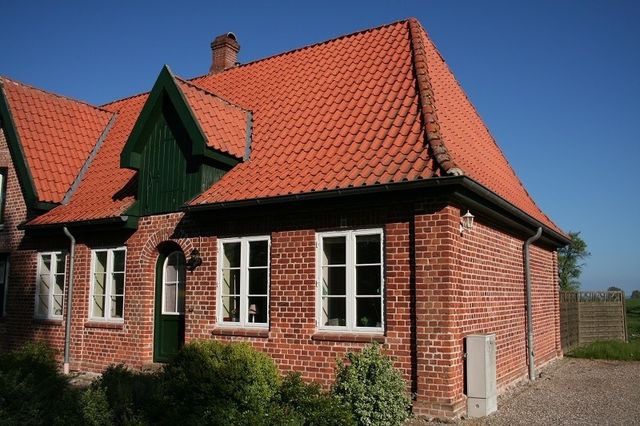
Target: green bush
x: 210, y: 382
x: 133, y: 397
x: 372, y: 388
x: 95, y: 407
x: 305, y: 404
x: 32, y: 391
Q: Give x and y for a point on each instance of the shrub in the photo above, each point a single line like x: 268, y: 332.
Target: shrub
x: 95, y: 407
x: 306, y: 404
x: 133, y: 397
x: 32, y: 389
x: 372, y: 388
x: 217, y: 383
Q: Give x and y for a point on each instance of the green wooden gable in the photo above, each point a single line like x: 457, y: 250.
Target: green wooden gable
x: 168, y: 149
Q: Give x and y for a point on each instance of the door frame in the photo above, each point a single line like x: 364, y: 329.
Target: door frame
x: 159, y: 300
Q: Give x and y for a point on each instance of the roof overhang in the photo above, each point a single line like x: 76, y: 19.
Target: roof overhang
x: 462, y: 190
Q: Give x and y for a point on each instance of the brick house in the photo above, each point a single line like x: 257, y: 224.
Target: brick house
x: 307, y: 203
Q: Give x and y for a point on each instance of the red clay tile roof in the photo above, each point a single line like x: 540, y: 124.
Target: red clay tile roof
x: 224, y: 124
x: 107, y: 190
x: 344, y: 113
x: 56, y: 133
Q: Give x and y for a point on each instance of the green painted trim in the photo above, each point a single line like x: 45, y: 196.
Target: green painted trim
x: 220, y: 157
x: 19, y: 159
x: 165, y: 87
x: 4, y: 172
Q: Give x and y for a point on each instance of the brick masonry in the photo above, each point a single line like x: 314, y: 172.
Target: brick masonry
x: 440, y: 286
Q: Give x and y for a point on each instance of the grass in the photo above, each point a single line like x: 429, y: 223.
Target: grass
x: 616, y: 349
x: 612, y: 349
x: 633, y: 319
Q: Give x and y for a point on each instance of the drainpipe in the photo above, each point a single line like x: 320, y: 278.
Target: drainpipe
x: 527, y: 272
x: 67, y: 330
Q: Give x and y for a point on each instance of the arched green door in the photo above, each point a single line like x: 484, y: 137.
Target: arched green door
x: 169, y: 306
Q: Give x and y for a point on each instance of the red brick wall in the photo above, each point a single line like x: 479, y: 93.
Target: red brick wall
x: 479, y: 287
x: 456, y: 285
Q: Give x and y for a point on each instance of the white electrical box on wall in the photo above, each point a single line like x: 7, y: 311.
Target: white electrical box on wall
x: 482, y: 397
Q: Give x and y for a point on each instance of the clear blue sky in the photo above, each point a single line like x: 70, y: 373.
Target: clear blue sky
x: 557, y: 82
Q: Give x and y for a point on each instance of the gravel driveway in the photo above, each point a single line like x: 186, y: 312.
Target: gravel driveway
x: 572, y: 392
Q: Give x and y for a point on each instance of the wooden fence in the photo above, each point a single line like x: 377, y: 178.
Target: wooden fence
x: 588, y: 316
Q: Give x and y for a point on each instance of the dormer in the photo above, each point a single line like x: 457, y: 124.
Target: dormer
x: 184, y: 140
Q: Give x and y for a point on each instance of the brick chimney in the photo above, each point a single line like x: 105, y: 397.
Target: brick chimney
x: 224, y: 53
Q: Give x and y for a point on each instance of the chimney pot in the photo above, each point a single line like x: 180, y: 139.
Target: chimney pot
x: 224, y: 53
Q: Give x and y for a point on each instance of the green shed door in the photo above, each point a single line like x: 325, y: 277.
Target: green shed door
x: 169, y: 306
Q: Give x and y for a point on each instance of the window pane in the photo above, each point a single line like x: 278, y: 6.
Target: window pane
x: 43, y: 305
x: 100, y: 265
x: 231, y: 281
x: 169, y: 297
x: 257, y: 312
x: 334, y: 250
x: 118, y: 260
x: 367, y: 249
x: 60, y: 263
x: 258, y: 281
x: 117, y: 284
x: 368, y: 312
x: 99, y: 283
x: 334, y: 312
x: 258, y: 253
x: 368, y: 280
x: 45, y: 265
x: 231, y: 308
x: 334, y: 280
x: 3, y: 269
x: 57, y: 305
x: 58, y: 287
x: 170, y: 272
x: 98, y: 305
x: 44, y: 285
x: 117, y: 305
x: 231, y: 258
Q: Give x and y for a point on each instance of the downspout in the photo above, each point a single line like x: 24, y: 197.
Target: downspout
x: 67, y: 330
x: 527, y: 273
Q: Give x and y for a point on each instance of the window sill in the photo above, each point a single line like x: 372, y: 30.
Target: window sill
x: 48, y: 321
x: 241, y: 332
x: 348, y: 337
x: 104, y: 325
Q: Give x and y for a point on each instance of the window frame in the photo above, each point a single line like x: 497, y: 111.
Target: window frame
x: 4, y: 172
x: 108, y: 280
x: 4, y: 257
x: 350, y: 281
x: 52, y: 273
x: 164, y: 279
x: 244, y: 282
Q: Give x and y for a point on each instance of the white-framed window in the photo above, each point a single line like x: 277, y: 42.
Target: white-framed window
x: 3, y: 193
x: 350, y: 280
x: 50, y: 279
x: 4, y: 282
x: 174, y: 275
x: 107, y: 284
x: 243, y: 281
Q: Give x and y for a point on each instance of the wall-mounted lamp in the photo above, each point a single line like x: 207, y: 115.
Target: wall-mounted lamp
x: 194, y: 260
x: 466, y: 222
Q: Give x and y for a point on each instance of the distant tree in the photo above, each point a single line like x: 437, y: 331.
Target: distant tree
x: 570, y: 262
x: 635, y: 294
x: 613, y: 288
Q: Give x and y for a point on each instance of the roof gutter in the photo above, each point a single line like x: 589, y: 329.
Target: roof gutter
x: 465, y: 189
x: 117, y: 220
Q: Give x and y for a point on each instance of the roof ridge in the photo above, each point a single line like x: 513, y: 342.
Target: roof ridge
x: 126, y: 98
x: 493, y: 139
x: 428, y: 102
x: 309, y: 46
x: 4, y: 79
x: 215, y: 95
